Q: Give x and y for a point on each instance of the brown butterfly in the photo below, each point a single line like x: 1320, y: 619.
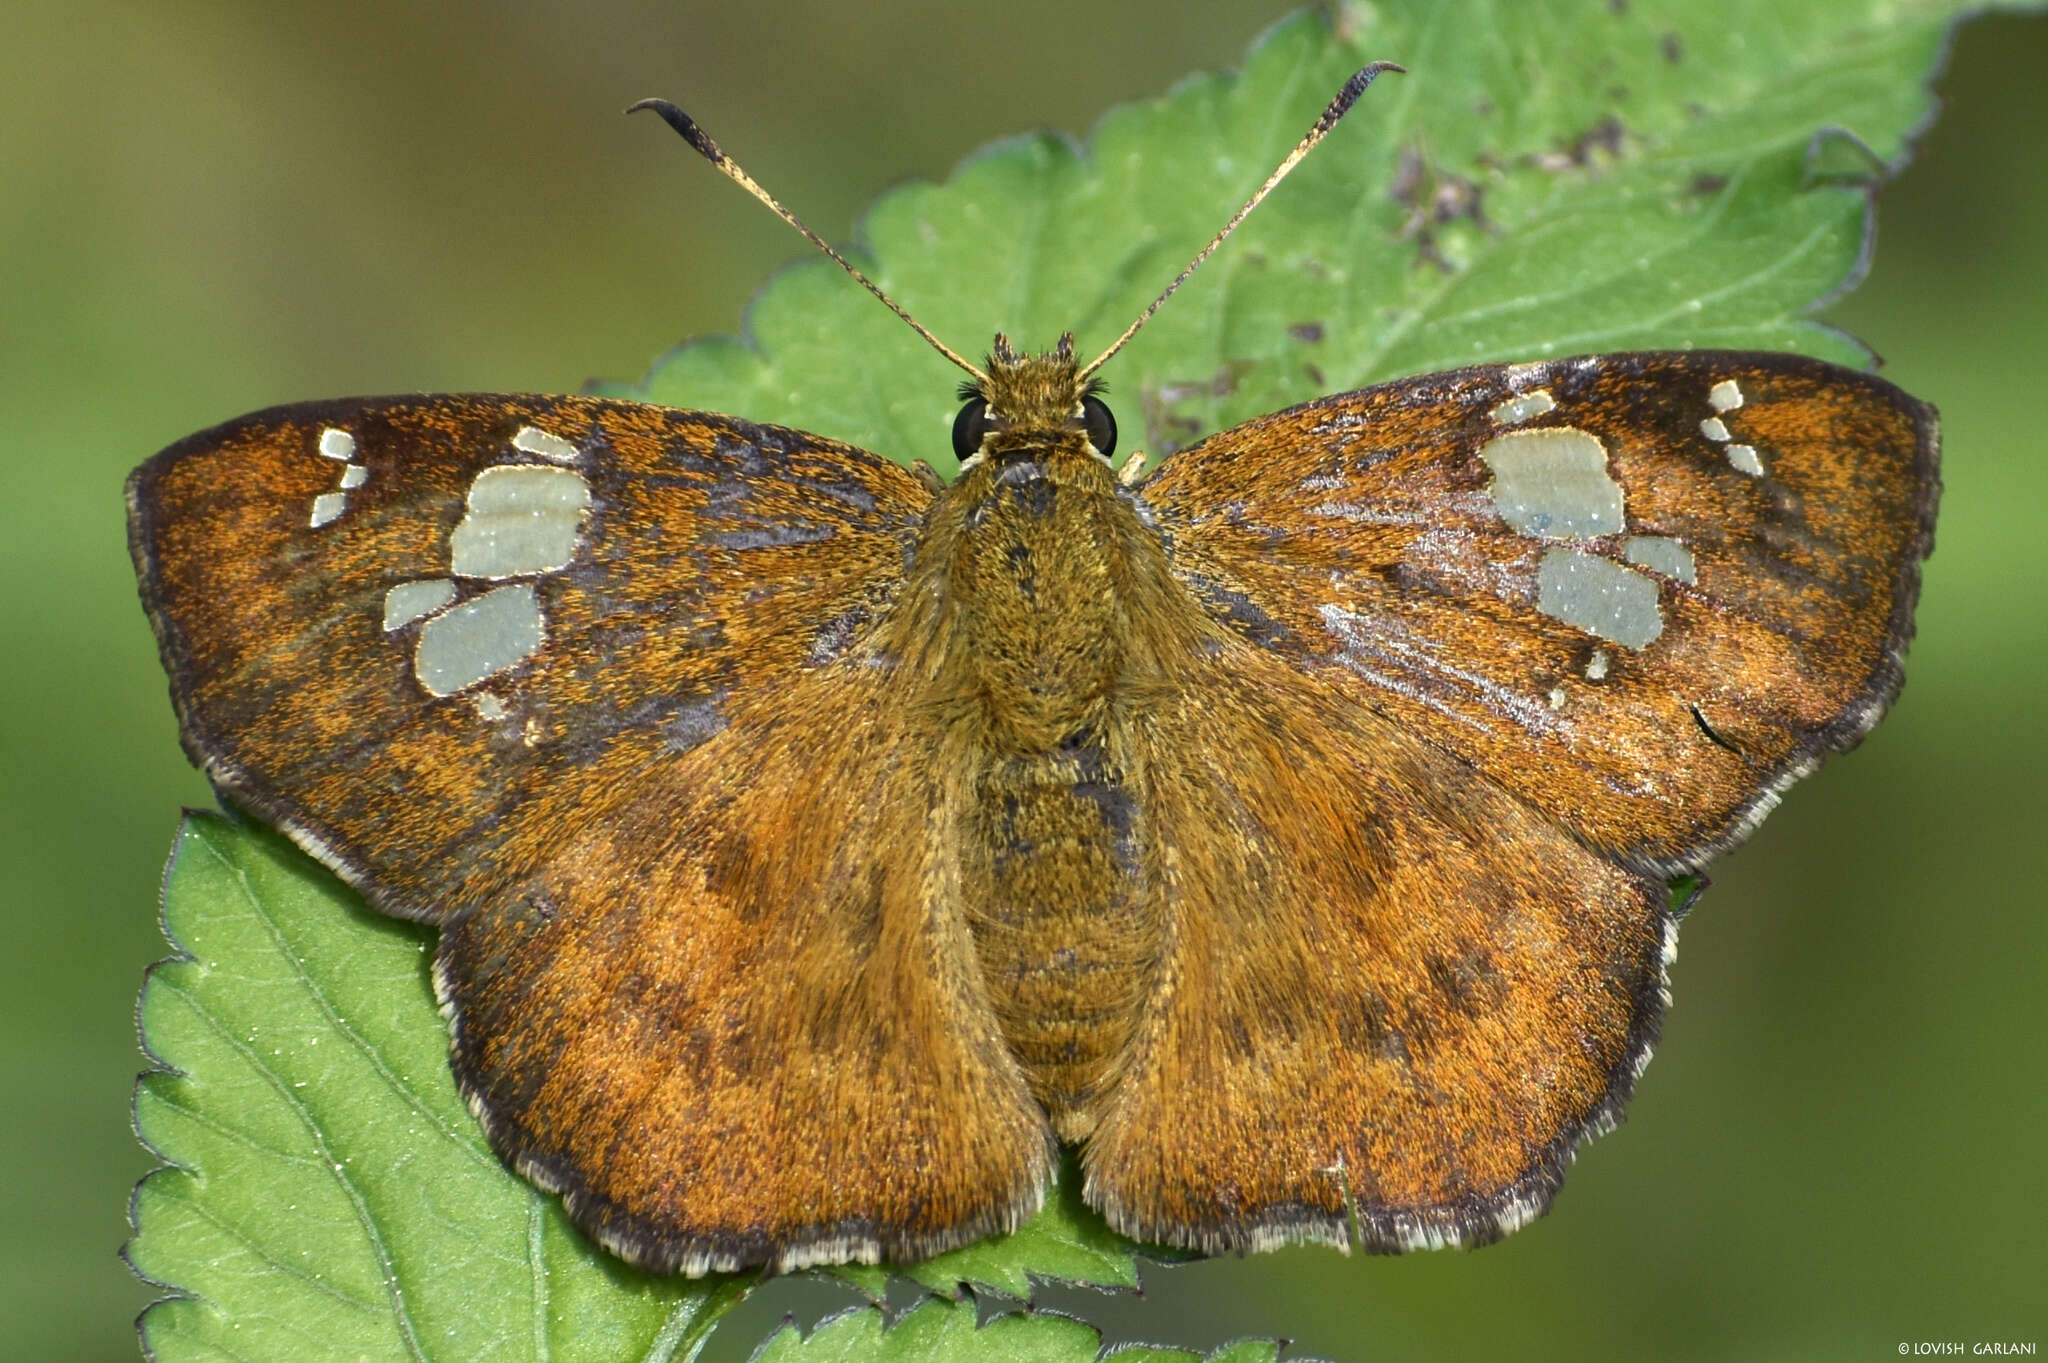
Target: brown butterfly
x: 815, y: 848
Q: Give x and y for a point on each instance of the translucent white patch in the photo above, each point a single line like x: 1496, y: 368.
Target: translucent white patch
x: 1553, y: 483
x: 478, y: 639
x: 489, y: 706
x: 1713, y: 428
x: 1598, y: 596
x: 1517, y: 410
x: 354, y: 476
x: 523, y: 518
x: 1744, y: 459
x: 327, y: 507
x: 534, y: 440
x: 408, y: 601
x: 1556, y: 698
x: 336, y: 443
x: 1665, y: 556
x: 1596, y: 666
x: 1726, y: 396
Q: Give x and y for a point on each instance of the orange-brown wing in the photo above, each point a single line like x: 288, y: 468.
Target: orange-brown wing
x: 391, y: 624
x: 1645, y: 592
x: 583, y: 682
x: 732, y: 1012
x: 1391, y: 988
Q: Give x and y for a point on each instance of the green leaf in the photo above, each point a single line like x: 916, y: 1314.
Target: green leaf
x: 947, y: 1332
x: 1550, y: 178
x: 327, y: 1195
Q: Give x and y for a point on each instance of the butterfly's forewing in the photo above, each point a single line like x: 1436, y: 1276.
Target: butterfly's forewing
x: 1644, y: 592
x: 577, y: 680
x: 1390, y: 989
x: 389, y: 623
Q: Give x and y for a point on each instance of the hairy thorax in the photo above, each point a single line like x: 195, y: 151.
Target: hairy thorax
x: 1036, y: 575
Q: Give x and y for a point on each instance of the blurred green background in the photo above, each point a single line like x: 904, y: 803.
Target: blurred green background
x: 206, y: 209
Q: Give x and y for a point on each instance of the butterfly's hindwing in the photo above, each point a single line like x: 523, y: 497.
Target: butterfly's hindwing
x: 1645, y: 591
x: 1446, y: 995
x: 733, y: 1014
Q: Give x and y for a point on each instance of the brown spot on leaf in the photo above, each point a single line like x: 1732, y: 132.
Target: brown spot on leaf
x: 1602, y: 141
x: 1434, y: 199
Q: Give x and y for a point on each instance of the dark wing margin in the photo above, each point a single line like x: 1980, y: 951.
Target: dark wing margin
x: 1646, y: 592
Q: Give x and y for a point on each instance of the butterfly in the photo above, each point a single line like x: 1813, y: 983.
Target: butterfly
x: 816, y: 847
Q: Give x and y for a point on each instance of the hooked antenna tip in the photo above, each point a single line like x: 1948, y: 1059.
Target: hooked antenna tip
x: 698, y: 139
x: 1353, y: 88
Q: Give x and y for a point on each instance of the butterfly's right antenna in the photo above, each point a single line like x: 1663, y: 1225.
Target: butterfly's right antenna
x: 1336, y: 109
x: 710, y: 151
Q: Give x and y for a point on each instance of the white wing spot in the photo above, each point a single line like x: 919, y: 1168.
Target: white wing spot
x: 534, y: 440
x: 1726, y: 396
x: 1556, y: 698
x: 1516, y: 410
x: 1553, y: 483
x: 336, y: 443
x: 1666, y: 556
x: 408, y: 601
x: 479, y: 638
x: 522, y: 518
x: 1598, y: 596
x: 1596, y: 666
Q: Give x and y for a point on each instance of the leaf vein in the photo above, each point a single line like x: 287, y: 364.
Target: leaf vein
x: 371, y: 1230
x: 398, y: 1086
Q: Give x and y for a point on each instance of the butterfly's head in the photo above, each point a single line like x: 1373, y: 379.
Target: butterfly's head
x: 1036, y: 403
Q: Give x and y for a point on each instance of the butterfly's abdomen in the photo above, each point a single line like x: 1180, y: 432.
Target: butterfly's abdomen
x: 1068, y: 940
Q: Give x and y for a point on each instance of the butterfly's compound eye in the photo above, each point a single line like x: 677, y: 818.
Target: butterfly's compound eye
x: 1100, y: 424
x: 969, y: 427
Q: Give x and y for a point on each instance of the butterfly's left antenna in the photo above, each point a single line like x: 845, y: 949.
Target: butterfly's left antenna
x: 1335, y: 110
x: 712, y: 152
